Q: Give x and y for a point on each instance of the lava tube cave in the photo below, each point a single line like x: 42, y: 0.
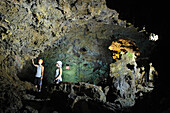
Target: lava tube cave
x: 107, y: 52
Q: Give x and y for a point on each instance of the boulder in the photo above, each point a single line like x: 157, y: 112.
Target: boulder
x: 81, y: 89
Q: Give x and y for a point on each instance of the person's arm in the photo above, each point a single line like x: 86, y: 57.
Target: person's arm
x: 60, y: 73
x: 33, y: 63
x: 42, y: 72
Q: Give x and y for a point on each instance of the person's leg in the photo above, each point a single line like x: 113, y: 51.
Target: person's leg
x: 57, y: 81
x: 38, y: 84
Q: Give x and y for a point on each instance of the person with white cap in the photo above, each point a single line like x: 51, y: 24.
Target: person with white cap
x: 58, y: 74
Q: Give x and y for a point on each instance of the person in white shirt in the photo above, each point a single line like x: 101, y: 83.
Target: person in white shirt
x: 58, y: 75
x: 39, y: 74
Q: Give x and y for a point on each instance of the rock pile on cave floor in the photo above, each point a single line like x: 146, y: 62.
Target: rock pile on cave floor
x: 82, y: 97
x: 79, y: 97
x: 69, y: 98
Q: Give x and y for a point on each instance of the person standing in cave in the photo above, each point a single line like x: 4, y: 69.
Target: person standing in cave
x: 58, y: 74
x: 39, y: 74
x: 147, y: 69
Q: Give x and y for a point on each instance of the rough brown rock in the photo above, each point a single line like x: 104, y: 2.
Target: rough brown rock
x: 29, y: 27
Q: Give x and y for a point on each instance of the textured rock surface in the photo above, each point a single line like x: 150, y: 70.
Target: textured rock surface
x: 81, y: 97
x: 28, y: 27
x: 82, y: 89
x: 69, y: 98
x: 123, y: 79
x: 126, y: 80
x: 87, y: 57
x: 58, y: 30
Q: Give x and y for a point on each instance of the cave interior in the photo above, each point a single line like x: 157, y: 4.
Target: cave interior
x: 107, y: 48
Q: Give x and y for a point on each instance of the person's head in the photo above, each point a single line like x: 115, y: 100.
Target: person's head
x: 59, y: 64
x: 40, y: 61
x: 142, y: 68
x: 150, y: 64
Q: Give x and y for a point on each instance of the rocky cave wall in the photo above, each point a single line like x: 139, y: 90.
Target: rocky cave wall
x: 85, y: 50
x: 28, y: 27
x: 75, y: 32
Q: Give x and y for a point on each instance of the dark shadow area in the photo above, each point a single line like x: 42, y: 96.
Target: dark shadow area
x: 28, y: 72
x: 153, y: 15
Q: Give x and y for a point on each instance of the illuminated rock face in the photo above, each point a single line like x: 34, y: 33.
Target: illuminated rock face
x: 127, y: 78
x: 124, y: 80
x: 122, y: 46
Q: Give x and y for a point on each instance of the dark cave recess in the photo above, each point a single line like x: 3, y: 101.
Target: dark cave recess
x: 149, y: 14
x: 153, y: 15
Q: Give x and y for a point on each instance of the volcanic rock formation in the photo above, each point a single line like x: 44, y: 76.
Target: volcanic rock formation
x: 79, y: 34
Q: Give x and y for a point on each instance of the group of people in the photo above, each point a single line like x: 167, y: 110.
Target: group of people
x: 40, y: 73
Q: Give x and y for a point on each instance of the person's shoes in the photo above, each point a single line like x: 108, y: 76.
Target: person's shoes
x: 39, y: 90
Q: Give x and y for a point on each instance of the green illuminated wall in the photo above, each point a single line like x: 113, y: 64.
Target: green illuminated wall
x: 88, y: 58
